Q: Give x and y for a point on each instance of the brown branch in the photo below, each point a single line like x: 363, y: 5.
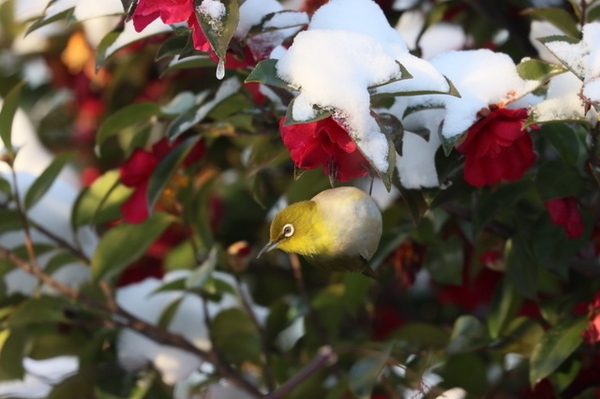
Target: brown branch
x: 122, y: 318
x: 325, y: 357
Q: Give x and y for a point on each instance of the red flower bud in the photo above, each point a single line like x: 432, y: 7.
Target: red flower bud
x: 565, y: 212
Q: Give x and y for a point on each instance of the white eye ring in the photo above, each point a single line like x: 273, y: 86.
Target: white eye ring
x: 288, y: 230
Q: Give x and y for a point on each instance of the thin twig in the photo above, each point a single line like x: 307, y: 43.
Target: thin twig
x: 269, y: 379
x: 326, y: 356
x: 122, y: 318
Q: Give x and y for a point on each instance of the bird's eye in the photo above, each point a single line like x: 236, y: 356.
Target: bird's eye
x: 288, y: 230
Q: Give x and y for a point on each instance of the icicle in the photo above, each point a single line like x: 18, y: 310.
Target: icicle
x: 221, y: 69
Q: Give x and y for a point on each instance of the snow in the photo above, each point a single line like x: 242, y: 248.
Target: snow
x: 212, y: 8
x: 416, y: 166
x: 440, y: 37
x: 483, y: 78
x: 40, y: 377
x: 348, y: 53
x: 251, y: 14
x: 562, y: 101
x: 141, y: 300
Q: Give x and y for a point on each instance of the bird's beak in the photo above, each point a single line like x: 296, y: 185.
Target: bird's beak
x: 267, y: 248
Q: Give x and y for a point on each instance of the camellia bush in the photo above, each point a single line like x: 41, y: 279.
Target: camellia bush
x: 147, y: 144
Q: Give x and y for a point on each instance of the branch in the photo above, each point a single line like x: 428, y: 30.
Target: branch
x: 122, y: 318
x: 326, y: 356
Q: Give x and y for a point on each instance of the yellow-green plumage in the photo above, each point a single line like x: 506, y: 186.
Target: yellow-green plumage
x: 338, y: 230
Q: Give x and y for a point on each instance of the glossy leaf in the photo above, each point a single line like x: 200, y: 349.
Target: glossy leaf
x: 59, y: 260
x: 10, y: 220
x: 558, y: 17
x: 100, y: 202
x: 126, y: 117
x: 419, y: 335
x: 568, y: 141
x: 125, y: 243
x: 506, y: 302
x: 521, y: 268
x: 7, y: 114
x: 554, y: 347
x: 265, y: 72
x: 12, y: 353
x: 198, y: 277
x: 235, y: 337
x: 38, y: 310
x: 365, y: 371
x: 468, y: 335
x: 556, y: 180
x: 166, y: 168
x: 168, y: 313
x: 532, y: 69
x: 44, y: 181
x: 101, y: 52
x: 66, y: 15
x: 445, y: 261
x: 220, y: 31
x: 520, y: 336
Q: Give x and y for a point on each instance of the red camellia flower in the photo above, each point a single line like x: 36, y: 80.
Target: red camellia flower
x: 565, y: 212
x: 325, y: 143
x: 497, y: 148
x: 136, y: 172
x: 592, y: 334
x: 170, y: 12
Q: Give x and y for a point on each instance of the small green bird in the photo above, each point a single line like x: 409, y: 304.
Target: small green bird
x: 338, y: 230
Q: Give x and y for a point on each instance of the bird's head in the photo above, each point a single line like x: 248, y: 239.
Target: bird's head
x: 293, y: 228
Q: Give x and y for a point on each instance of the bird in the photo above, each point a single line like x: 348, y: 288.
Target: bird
x: 337, y: 230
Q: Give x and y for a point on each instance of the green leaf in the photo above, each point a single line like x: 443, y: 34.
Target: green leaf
x: 521, y: 268
x: 263, y: 152
x: 505, y: 197
x: 393, y: 130
x: 415, y: 202
x: 63, y: 15
x: 106, y: 42
x: 191, y: 62
x: 532, y: 69
x: 520, y: 336
x: 364, y: 373
x: 445, y: 261
x: 10, y: 220
x: 378, y: 95
x: 126, y: 117
x: 506, y: 302
x: 167, y: 315
x: 59, y: 260
x: 13, y: 350
x: 198, y: 277
x: 418, y: 336
x: 593, y: 13
x: 38, y: 310
x: 235, y: 336
x: 554, y: 347
x: 557, y: 180
x: 220, y: 31
x: 172, y: 46
x: 125, y: 243
x: 100, y: 202
x: 558, y: 17
x: 44, y: 181
x: 568, y: 141
x: 468, y: 335
x: 166, y: 168
x: 266, y: 72
x: 7, y: 114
